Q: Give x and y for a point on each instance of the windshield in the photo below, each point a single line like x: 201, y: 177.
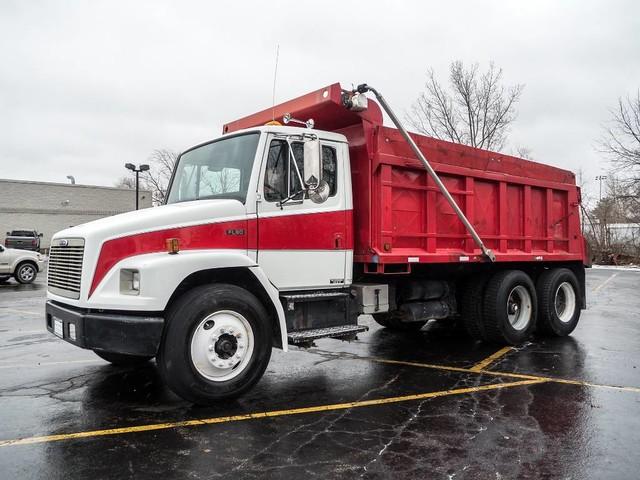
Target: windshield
x: 220, y: 169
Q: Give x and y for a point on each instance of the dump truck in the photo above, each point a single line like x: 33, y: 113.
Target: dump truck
x: 300, y: 219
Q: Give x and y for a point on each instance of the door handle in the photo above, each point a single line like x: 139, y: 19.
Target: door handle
x: 337, y: 239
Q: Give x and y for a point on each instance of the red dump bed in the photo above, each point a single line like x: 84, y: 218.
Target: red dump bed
x: 522, y: 210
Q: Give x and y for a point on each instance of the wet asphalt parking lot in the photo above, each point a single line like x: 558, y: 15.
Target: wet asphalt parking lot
x: 389, y: 405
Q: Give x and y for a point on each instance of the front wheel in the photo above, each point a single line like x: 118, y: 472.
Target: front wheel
x: 26, y: 272
x: 216, y: 345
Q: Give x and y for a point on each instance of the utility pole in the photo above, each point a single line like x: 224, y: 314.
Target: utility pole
x: 601, y: 178
x: 140, y: 168
x: 602, y: 222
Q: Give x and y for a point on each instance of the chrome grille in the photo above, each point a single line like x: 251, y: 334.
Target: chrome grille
x: 65, y: 267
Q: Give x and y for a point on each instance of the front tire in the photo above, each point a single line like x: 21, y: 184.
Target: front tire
x: 26, y: 272
x: 559, y: 302
x: 216, y: 345
x: 122, y: 359
x: 509, y: 310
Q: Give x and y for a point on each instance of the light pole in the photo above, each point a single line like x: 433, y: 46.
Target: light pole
x: 141, y: 168
x: 600, y: 178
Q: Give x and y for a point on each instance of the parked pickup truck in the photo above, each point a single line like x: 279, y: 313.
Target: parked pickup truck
x: 23, y: 240
x: 19, y: 264
x: 275, y: 235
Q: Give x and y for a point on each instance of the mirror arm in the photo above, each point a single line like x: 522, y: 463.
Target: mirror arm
x: 295, y: 164
x: 285, y: 200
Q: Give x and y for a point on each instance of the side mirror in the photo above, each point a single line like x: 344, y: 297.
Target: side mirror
x: 8, y: 234
x: 321, y: 193
x: 40, y: 235
x: 312, y: 164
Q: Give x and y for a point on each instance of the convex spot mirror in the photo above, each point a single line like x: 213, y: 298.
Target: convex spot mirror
x: 321, y: 193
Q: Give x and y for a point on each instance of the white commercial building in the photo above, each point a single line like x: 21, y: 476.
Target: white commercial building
x: 50, y: 207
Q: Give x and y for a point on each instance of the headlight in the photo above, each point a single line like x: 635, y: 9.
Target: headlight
x: 129, y: 281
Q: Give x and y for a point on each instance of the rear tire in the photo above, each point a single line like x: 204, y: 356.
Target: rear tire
x: 26, y: 272
x: 122, y: 359
x: 392, y: 321
x: 216, y: 345
x: 470, y: 300
x: 558, y: 302
x: 509, y: 310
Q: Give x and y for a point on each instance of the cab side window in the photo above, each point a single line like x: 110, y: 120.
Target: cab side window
x: 330, y: 168
x: 281, y: 179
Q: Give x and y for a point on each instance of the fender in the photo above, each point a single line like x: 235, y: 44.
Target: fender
x: 162, y: 273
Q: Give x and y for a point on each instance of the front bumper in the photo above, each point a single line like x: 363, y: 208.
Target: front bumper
x: 109, y: 332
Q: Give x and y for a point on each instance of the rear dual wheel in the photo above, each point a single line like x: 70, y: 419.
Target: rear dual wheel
x: 509, y: 308
x: 559, y: 302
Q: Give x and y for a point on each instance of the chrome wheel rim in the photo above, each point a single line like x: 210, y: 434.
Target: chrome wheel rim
x: 222, y: 345
x: 565, y: 302
x: 26, y: 273
x: 519, y: 307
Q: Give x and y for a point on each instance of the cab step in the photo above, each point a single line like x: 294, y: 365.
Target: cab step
x: 306, y: 337
x: 321, y: 296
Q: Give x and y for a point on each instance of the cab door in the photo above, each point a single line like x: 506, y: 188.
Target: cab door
x: 301, y: 244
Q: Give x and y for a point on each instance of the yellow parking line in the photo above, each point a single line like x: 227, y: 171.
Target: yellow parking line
x: 490, y: 359
x: 523, y: 376
x: 260, y: 415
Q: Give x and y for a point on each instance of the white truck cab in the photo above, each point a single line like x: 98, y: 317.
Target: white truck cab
x: 249, y: 218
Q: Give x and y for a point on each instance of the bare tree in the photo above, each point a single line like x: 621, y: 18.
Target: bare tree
x: 524, y: 152
x: 476, y: 109
x: 125, y: 182
x: 157, y: 179
x: 621, y: 140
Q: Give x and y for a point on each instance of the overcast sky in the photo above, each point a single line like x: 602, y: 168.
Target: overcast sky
x: 88, y: 86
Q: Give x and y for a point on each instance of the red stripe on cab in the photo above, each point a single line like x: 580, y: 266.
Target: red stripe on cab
x: 212, y: 235
x: 304, y: 231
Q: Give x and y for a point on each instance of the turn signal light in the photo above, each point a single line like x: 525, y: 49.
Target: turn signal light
x: 173, y: 245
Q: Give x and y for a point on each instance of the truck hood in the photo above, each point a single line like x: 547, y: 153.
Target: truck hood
x: 157, y: 218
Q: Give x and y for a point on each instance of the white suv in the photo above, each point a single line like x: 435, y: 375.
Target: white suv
x: 23, y: 265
